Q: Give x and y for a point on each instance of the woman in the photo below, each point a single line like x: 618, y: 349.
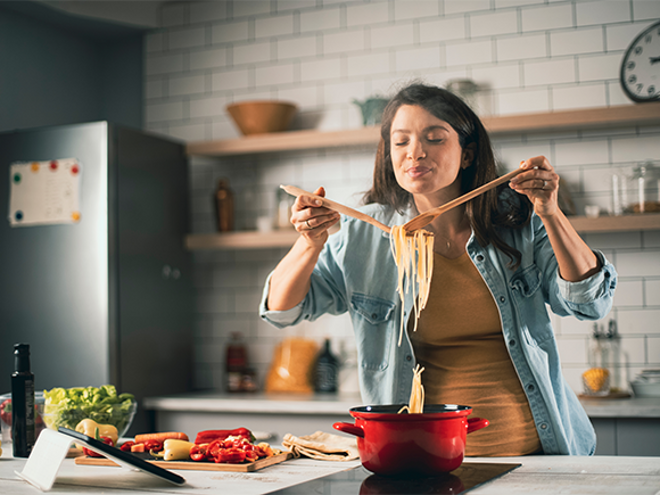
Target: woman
x: 485, y: 338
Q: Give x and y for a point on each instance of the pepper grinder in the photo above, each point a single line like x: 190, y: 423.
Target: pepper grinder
x: 224, y: 203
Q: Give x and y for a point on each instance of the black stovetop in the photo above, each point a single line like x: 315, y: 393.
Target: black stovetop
x: 359, y: 481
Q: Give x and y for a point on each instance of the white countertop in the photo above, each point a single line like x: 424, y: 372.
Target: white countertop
x: 317, y: 404
x: 598, y: 475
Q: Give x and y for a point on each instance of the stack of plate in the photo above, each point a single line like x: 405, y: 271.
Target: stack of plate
x: 647, y: 384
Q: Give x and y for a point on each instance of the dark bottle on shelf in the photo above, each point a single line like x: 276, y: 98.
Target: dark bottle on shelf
x: 236, y: 362
x: 224, y: 206
x: 22, y: 402
x: 326, y: 370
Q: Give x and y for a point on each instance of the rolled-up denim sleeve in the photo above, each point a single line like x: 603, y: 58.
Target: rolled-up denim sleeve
x: 327, y: 291
x: 280, y: 319
x: 591, y: 297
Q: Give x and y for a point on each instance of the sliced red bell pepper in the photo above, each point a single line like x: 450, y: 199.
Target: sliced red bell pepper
x: 208, y: 436
x: 230, y: 456
x: 154, y: 445
x: 91, y: 453
x: 199, y: 452
x: 126, y: 446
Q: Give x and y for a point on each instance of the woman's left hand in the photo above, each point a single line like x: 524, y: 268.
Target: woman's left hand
x: 540, y: 183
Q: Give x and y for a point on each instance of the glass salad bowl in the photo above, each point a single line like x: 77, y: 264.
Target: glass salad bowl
x: 68, y: 407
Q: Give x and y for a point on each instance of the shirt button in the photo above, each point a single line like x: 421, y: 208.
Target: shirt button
x: 607, y: 274
x: 480, y: 258
x: 502, y: 299
x: 374, y: 316
x: 408, y: 357
x: 531, y: 387
x: 543, y: 426
x: 512, y: 342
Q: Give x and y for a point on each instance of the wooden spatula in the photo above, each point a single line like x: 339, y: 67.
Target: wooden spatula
x: 333, y: 205
x: 427, y: 217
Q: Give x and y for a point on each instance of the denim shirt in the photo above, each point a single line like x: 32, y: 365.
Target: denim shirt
x: 356, y: 273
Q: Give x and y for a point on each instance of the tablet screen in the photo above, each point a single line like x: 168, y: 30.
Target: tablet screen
x: 123, y: 458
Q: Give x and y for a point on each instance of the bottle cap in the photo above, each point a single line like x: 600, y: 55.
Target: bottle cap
x: 22, y: 349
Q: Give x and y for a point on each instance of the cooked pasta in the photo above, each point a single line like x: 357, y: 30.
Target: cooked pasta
x: 416, y: 402
x: 413, y: 255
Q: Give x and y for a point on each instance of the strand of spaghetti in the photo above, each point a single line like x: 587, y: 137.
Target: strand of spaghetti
x: 417, y: 395
x: 413, y: 256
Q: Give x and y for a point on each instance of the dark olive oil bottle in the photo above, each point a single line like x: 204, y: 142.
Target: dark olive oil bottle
x: 22, y: 402
x: 326, y: 370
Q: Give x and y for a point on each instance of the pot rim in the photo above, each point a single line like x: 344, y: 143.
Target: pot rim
x: 389, y: 412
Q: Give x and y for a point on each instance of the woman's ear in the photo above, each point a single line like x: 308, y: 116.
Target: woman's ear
x: 467, y: 156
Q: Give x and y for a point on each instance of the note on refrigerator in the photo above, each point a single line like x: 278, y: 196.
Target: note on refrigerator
x: 44, y: 193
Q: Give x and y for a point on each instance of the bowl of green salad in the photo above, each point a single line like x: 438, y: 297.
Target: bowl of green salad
x: 69, y: 406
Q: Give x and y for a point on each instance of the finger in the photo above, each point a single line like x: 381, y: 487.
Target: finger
x: 537, y: 162
x: 316, y: 220
x: 317, y: 224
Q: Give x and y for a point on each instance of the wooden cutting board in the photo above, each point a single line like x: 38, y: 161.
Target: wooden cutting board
x: 196, y: 466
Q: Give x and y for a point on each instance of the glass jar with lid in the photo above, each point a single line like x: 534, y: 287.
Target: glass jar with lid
x: 597, y: 380
x: 643, y: 188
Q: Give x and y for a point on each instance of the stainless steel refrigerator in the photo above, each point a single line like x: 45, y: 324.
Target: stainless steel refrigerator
x: 107, y: 299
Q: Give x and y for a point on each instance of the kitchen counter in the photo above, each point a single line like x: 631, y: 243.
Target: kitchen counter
x: 600, y: 475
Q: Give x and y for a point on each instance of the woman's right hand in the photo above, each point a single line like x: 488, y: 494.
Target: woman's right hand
x: 312, y: 220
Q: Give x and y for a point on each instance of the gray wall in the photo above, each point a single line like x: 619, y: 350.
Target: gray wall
x: 58, y: 69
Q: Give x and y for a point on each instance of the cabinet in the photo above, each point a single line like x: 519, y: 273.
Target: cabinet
x: 627, y: 436
x: 593, y: 118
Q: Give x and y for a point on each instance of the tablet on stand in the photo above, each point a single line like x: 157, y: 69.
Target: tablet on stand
x: 52, y: 446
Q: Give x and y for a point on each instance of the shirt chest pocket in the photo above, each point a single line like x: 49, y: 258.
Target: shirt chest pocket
x: 536, y: 326
x: 372, y: 320
x: 526, y: 282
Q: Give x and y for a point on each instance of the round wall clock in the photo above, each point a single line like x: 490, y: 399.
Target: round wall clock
x: 640, y: 67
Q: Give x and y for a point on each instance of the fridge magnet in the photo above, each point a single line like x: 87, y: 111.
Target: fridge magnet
x: 45, y: 192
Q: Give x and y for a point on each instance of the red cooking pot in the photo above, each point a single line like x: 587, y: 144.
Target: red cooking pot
x: 427, y: 443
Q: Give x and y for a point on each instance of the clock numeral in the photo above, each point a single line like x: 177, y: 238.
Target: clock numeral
x: 631, y: 65
x: 648, y: 38
x: 632, y: 79
x: 638, y: 50
x: 639, y: 87
x: 651, y: 90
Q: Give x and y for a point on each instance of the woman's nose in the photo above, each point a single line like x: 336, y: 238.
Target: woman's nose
x: 416, y: 150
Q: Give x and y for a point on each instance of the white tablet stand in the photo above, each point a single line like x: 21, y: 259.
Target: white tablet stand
x: 51, y: 449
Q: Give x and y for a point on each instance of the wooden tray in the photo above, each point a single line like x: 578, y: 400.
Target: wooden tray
x: 196, y: 466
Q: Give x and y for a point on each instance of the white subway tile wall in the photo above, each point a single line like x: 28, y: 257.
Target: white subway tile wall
x: 526, y: 55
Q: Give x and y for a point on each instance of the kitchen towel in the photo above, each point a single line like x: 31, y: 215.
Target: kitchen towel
x: 322, y: 446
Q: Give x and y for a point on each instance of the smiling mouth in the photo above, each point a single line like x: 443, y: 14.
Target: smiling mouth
x: 415, y: 172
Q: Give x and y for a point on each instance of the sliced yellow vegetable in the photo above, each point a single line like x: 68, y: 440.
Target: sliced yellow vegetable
x: 88, y: 427
x: 174, y: 450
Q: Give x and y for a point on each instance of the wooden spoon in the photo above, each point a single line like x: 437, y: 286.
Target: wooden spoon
x: 333, y: 205
x: 423, y: 219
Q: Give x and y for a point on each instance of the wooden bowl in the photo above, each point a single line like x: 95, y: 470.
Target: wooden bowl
x: 260, y: 117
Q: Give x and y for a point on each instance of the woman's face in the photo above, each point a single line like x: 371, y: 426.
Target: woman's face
x: 426, y: 153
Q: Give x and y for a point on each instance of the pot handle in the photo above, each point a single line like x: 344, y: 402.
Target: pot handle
x: 475, y: 424
x: 349, y: 428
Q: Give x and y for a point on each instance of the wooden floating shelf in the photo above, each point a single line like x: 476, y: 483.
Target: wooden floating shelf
x: 590, y: 118
x: 625, y: 223
x: 242, y: 240
x: 286, y: 238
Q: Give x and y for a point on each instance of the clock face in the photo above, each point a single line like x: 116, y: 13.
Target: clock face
x: 640, y: 68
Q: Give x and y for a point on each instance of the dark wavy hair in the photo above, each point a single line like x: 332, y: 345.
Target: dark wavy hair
x: 488, y: 213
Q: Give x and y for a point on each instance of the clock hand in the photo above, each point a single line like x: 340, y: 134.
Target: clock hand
x: 654, y: 60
